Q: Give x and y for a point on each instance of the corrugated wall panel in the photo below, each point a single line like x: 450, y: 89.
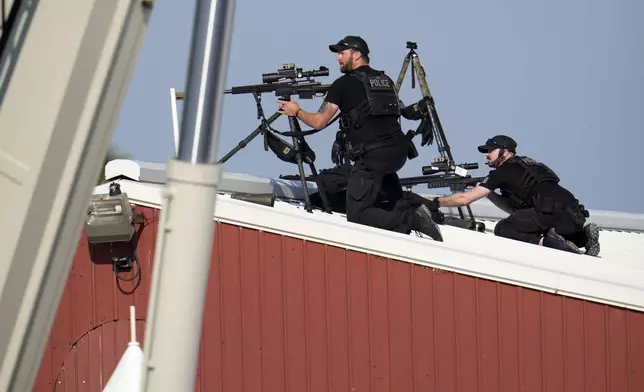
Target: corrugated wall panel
x: 284, y: 314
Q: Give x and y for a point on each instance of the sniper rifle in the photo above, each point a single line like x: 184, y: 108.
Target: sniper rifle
x: 288, y: 81
x: 455, y: 183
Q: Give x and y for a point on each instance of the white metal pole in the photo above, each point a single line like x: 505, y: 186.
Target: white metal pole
x: 175, y: 120
x: 185, y: 238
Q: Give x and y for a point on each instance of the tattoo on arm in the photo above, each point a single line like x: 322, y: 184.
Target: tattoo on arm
x: 323, y: 107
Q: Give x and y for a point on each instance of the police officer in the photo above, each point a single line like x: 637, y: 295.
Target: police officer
x: 369, y: 107
x: 541, y: 211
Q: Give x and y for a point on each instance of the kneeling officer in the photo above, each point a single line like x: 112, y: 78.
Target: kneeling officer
x: 541, y: 211
x: 369, y: 104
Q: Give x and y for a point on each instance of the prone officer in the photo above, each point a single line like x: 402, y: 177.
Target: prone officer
x: 369, y: 107
x: 541, y: 211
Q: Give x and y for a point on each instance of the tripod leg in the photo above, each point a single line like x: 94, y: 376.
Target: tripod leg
x: 478, y: 226
x: 300, y: 166
x: 460, y: 213
x: 401, y: 75
x: 422, y: 79
x: 321, y: 190
x: 249, y: 138
x: 439, y: 135
x: 297, y: 145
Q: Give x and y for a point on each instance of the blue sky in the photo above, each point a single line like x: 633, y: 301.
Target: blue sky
x: 564, y: 78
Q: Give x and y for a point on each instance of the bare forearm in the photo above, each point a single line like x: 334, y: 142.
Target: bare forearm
x: 313, y: 120
x: 454, y: 200
x: 460, y: 199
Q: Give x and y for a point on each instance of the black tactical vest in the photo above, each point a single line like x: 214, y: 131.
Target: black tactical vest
x: 382, y: 97
x: 533, y: 173
x: 381, y: 102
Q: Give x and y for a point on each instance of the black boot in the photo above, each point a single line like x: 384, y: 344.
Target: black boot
x: 421, y: 221
x: 553, y: 240
x: 592, y: 233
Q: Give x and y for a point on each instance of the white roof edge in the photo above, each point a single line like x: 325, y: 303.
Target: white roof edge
x: 151, y: 172
x: 520, y: 264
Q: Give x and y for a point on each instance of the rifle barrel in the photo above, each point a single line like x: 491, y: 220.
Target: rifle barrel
x: 293, y: 88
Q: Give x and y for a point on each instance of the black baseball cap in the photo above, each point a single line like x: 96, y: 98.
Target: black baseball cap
x: 498, y: 141
x: 351, y: 42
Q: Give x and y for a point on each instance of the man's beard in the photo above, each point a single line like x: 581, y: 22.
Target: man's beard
x: 346, y: 67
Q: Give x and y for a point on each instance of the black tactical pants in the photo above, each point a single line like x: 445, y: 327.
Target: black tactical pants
x: 530, y: 225
x: 334, y: 181
x: 374, y: 178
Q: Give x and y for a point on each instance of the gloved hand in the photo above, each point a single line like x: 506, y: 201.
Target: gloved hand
x: 425, y: 129
x: 337, y: 150
x: 431, y: 204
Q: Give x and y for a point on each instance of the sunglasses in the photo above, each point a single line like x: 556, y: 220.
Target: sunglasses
x: 346, y: 45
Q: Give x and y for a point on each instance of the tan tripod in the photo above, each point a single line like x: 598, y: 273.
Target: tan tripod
x: 454, y: 175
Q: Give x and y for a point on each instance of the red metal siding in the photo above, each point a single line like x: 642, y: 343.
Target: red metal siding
x: 91, y: 328
x: 284, y: 314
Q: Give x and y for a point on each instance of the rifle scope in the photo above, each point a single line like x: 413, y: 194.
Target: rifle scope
x: 290, y: 71
x: 432, y: 169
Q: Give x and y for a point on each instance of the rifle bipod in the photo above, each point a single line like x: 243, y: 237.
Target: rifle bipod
x: 297, y: 153
x: 445, y: 163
